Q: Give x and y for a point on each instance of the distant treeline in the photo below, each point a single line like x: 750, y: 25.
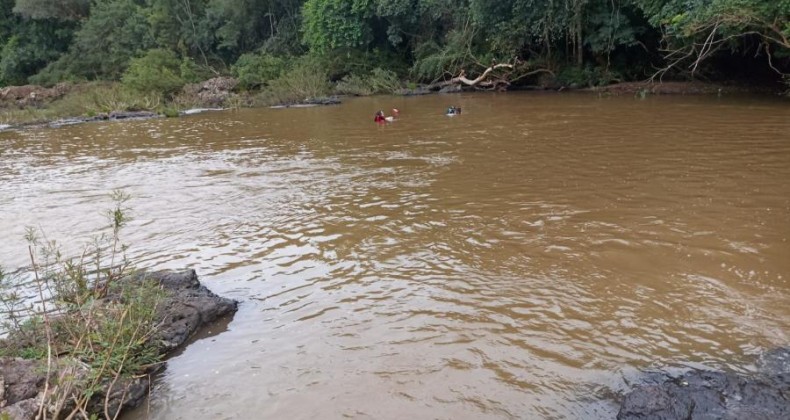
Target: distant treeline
x: 162, y: 44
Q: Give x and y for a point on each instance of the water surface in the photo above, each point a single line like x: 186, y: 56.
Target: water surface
x: 525, y: 259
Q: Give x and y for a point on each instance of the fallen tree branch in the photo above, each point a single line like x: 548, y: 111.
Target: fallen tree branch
x: 480, y: 81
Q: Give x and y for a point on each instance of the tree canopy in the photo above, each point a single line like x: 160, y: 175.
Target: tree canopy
x: 47, y: 41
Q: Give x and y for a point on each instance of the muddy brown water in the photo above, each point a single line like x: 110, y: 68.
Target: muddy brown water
x: 526, y: 259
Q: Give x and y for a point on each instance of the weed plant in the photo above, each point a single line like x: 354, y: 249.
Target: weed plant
x: 82, y: 317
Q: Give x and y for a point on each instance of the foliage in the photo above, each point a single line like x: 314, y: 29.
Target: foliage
x: 159, y: 71
x: 256, y: 70
x: 695, y: 32
x: 585, y: 77
x: 49, y: 41
x: 336, y: 24
x: 434, y: 61
x: 306, y: 79
x: 53, y: 9
x: 378, y: 81
x: 115, y: 32
x: 29, y: 48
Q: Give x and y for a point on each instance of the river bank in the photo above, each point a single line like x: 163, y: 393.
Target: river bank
x: 30, y: 107
x: 28, y: 386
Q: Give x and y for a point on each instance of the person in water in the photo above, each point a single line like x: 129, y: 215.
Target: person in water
x: 453, y: 110
x: 380, y: 118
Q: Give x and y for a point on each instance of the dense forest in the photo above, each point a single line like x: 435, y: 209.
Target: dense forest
x: 372, y: 45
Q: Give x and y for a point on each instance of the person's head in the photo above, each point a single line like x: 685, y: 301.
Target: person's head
x: 395, y: 112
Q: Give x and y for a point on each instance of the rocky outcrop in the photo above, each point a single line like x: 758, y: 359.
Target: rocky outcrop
x: 310, y: 102
x: 422, y: 90
x: 699, y: 395
x: 20, y: 380
x: 210, y: 93
x: 31, y: 95
x: 112, y: 116
x: 186, y: 307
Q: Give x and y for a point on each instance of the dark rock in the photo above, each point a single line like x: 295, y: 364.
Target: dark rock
x: 310, y: 102
x: 701, y: 395
x: 131, y: 115
x: 330, y: 100
x: 413, y: 92
x: 451, y: 89
x: 775, y: 362
x: 23, y: 410
x: 187, y: 307
x: 21, y: 379
x: 113, y: 116
x: 126, y: 393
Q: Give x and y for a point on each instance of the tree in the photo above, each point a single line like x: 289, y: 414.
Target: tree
x: 335, y: 24
x: 115, y: 32
x: 31, y: 46
x: 53, y: 9
x: 706, y: 28
x: 158, y: 71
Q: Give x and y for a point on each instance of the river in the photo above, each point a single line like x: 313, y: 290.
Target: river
x: 526, y: 259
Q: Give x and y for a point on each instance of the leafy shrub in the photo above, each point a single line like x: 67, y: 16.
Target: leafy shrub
x: 306, y: 79
x: 354, y: 84
x: 378, y: 81
x: 256, y: 70
x: 159, y: 70
x: 585, y: 76
x: 384, y: 81
x: 191, y: 72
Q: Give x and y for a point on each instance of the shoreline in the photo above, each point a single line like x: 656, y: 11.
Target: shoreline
x: 640, y: 89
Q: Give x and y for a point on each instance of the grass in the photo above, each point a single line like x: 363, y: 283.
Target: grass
x: 378, y: 81
x: 305, y: 80
x: 89, y: 325
x: 85, y: 100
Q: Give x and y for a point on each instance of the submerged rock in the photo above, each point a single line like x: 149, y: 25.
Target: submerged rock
x: 310, y: 102
x: 699, y: 395
x: 193, y: 111
x: 452, y: 89
x: 414, y: 92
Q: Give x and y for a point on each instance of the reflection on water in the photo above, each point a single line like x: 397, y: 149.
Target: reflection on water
x: 525, y: 259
